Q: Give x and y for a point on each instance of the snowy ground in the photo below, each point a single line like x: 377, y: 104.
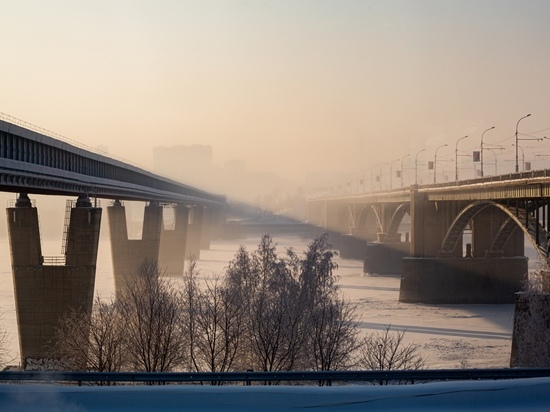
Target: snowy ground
x: 518, y: 395
x: 451, y: 336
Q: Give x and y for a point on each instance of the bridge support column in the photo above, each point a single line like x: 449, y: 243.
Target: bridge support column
x: 129, y: 254
x: 352, y: 247
x: 384, y: 258
x: 194, y: 232
x: 47, y: 288
x: 462, y: 280
x: 207, y: 228
x: 485, y: 226
x: 173, y: 244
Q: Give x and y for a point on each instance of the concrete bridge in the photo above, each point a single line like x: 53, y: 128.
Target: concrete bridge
x: 34, y: 161
x: 437, y: 262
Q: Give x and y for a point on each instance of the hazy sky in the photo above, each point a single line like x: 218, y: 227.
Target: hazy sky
x: 288, y: 86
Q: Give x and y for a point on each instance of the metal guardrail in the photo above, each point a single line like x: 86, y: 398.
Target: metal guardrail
x: 506, y: 177
x: 53, y: 260
x: 249, y: 377
x: 26, y: 125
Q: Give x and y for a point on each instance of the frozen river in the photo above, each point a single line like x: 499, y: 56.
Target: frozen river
x: 450, y: 335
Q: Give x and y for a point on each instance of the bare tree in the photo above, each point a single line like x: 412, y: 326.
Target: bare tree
x: 219, y: 332
x: 333, y: 334
x: 317, y: 279
x: 95, y: 342
x: 294, y: 315
x: 4, y: 342
x: 151, y: 309
x: 388, y: 351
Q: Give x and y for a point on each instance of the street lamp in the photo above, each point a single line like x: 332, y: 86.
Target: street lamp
x: 493, y: 151
x: 456, y: 156
x: 481, y: 151
x: 391, y: 172
x: 371, y: 176
x: 403, y: 158
x: 380, y: 176
x: 416, y: 166
x: 517, y: 124
x: 522, y: 156
x: 435, y: 161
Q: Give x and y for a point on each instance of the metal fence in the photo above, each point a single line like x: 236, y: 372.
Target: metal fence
x: 247, y: 378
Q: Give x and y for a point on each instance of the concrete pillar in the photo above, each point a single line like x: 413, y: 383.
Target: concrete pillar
x: 47, y: 288
x: 129, y: 254
x: 194, y: 232
x: 173, y: 244
x: 384, y: 258
x: 352, y: 247
x: 485, y: 226
x: 516, y: 243
x: 429, y: 224
x: 218, y: 222
x: 462, y: 280
x: 418, y: 204
x: 206, y: 228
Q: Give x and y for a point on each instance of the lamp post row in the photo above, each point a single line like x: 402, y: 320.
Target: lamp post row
x: 435, y: 158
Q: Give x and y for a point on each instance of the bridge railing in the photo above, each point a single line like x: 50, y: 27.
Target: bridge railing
x: 320, y: 194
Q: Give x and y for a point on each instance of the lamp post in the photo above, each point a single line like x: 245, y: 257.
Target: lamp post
x: 416, y: 166
x: 456, y: 156
x: 517, y: 124
x: 391, y: 172
x: 493, y: 151
x: 481, y: 150
x: 403, y: 158
x: 435, y: 161
x: 371, y: 176
x: 380, y: 177
x: 363, y: 182
x: 522, y: 156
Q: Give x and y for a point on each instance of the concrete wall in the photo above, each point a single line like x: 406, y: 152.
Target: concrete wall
x: 352, y: 247
x: 385, y: 258
x: 462, y: 280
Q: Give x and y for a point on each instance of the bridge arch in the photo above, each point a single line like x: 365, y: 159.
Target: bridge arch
x: 397, y: 218
x: 369, y: 220
x: 517, y: 217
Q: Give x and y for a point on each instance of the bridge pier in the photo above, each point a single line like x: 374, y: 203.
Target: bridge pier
x: 173, y: 244
x: 462, y: 280
x: 194, y: 232
x: 352, y: 247
x: 128, y: 254
x: 47, y: 288
x: 384, y: 258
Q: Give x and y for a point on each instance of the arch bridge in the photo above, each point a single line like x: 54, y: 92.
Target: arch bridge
x: 464, y: 241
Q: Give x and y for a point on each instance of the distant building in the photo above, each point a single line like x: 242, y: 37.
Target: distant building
x: 189, y: 164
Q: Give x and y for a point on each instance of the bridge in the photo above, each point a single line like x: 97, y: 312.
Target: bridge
x: 36, y: 161
x: 436, y: 262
